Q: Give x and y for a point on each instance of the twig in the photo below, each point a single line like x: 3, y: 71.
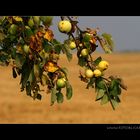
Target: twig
x: 109, y: 97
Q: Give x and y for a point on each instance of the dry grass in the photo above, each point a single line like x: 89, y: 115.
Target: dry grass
x: 16, y: 107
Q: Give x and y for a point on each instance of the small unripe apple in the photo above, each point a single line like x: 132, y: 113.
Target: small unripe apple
x: 103, y: 65
x: 84, y: 52
x: 97, y: 73
x: 64, y: 26
x: 89, y: 73
x: 31, y: 22
x: 26, y: 48
x: 61, y: 83
x: 13, y: 29
x: 72, y: 45
x: 81, y: 45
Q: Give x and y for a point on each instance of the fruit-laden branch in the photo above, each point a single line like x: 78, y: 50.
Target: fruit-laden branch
x: 27, y: 44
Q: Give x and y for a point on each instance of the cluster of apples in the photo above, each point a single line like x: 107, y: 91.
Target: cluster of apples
x: 103, y: 65
x: 65, y: 26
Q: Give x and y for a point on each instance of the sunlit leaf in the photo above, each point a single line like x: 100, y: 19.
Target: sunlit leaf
x: 28, y: 89
x: 60, y: 97
x: 69, y: 91
x: 82, y: 61
x: 115, y: 103
x: 105, y: 99
x: 97, y: 61
x: 100, y: 94
x: 91, y: 82
x: 66, y: 50
x: 109, y: 40
x: 49, y: 35
x: 53, y: 95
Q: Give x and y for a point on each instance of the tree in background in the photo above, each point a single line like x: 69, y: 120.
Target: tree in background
x: 27, y: 44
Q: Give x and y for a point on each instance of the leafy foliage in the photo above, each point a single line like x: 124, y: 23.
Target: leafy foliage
x: 27, y: 44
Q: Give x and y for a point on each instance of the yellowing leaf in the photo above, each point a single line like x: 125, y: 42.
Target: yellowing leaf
x: 17, y: 18
x: 51, y: 67
x: 49, y: 35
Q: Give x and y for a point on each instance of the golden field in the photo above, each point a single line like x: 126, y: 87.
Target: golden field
x: 16, y: 107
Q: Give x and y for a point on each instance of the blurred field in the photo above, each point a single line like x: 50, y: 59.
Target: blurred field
x: 16, y: 107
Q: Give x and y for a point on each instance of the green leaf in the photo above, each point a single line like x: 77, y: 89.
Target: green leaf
x: 100, y: 94
x: 69, y: 91
x: 14, y: 73
x: 65, y: 71
x: 31, y: 78
x: 82, y: 61
x: 104, y: 44
x: 26, y: 69
x: 98, y: 60
x: 28, y: 32
x: 86, y: 38
x: 28, y: 89
x: 114, y: 88
x: 19, y: 60
x: 87, y: 45
x: 36, y: 69
x: 58, y: 49
x: 2, y: 36
x: 109, y: 40
x: 47, y: 47
x: 117, y: 99
x: 66, y: 50
x: 60, y: 97
x: 105, y: 99
x: 100, y: 83
x: 57, y: 46
x: 53, y: 95
x: 115, y: 103
x: 91, y: 82
x: 47, y: 20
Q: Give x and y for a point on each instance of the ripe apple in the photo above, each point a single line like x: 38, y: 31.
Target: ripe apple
x: 89, y: 73
x: 97, y: 73
x: 84, y: 52
x: 103, y: 65
x: 31, y: 22
x: 26, y: 48
x: 13, y: 29
x: 64, y: 26
x: 72, y: 45
x: 61, y: 83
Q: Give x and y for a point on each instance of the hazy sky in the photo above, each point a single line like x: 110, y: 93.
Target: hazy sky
x: 125, y: 30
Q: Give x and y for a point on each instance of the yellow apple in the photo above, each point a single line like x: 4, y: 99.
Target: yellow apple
x: 84, y: 52
x: 64, y: 26
x: 72, y: 45
x: 89, y: 73
x: 103, y: 65
x: 97, y: 73
x: 61, y: 83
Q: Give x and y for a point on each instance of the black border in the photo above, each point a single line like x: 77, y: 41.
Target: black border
x: 70, y: 7
x: 55, y: 8
x: 68, y: 131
